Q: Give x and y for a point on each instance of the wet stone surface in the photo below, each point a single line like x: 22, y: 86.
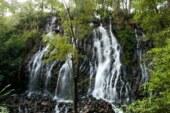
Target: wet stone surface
x: 91, y: 105
x: 33, y: 104
x: 43, y: 104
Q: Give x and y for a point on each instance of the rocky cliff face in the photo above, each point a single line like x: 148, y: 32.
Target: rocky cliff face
x: 86, y: 48
x: 139, y: 67
x: 45, y: 75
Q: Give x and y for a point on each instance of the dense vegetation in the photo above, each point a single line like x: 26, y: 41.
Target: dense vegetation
x: 21, y: 33
x: 18, y: 36
x: 154, y: 18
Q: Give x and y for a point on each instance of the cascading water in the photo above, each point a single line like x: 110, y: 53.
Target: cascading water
x: 110, y: 81
x: 36, y: 67
x: 61, y: 109
x: 49, y: 68
x: 141, y: 53
x: 63, y: 90
x: 92, y: 73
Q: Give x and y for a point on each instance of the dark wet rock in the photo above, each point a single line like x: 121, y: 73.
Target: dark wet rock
x: 34, y: 104
x: 91, y: 105
x: 43, y: 104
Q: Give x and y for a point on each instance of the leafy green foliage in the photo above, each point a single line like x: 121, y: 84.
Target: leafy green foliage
x: 60, y: 47
x: 4, y: 92
x: 154, y: 19
x: 153, y: 16
x: 126, y: 38
x: 7, y: 6
x: 76, y: 19
x: 3, y: 109
x: 14, y: 49
x: 158, y: 88
x: 76, y: 27
x: 19, y: 33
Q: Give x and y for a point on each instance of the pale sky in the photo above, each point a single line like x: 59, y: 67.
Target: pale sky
x: 21, y: 0
x: 59, y: 0
x: 8, y: 13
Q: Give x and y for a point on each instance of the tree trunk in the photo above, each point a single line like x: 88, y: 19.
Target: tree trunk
x: 74, y: 75
x: 130, y: 3
x: 74, y: 62
x: 42, y: 6
x: 169, y: 5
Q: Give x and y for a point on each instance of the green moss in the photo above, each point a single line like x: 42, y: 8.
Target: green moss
x: 127, y: 41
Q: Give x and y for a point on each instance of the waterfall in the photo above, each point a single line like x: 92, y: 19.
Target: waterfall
x: 110, y: 81
x: 40, y: 74
x: 49, y: 68
x: 36, y: 67
x: 141, y: 53
x: 63, y: 90
x: 92, y: 73
x: 61, y: 108
x: 39, y: 70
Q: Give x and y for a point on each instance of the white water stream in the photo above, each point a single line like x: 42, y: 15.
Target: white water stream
x: 36, y: 67
x: 141, y: 53
x: 106, y: 68
x: 108, y: 74
x: 63, y: 92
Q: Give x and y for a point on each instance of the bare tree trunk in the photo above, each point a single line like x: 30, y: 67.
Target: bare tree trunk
x: 130, y: 3
x: 42, y: 5
x: 74, y: 75
x: 74, y: 66
x: 169, y: 5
